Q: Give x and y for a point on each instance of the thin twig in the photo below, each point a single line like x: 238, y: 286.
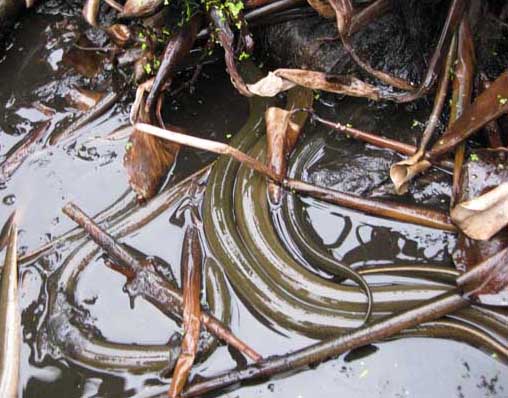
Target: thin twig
x: 132, y: 267
x: 397, y: 211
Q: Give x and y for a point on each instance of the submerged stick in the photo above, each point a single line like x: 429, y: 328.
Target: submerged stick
x: 17, y: 155
x: 92, y: 114
x: 383, y: 208
x: 10, y: 320
x: 130, y: 266
x: 382, y: 329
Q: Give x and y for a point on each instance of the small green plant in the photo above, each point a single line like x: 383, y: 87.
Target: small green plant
x: 502, y: 100
x: 244, y: 56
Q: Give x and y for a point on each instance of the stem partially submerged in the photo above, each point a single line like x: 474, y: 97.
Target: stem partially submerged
x: 192, y: 258
x: 156, y: 289
x: 382, y: 208
x: 319, y: 352
x: 403, y: 172
x: 379, y: 330
x: 488, y: 106
x: 176, y: 49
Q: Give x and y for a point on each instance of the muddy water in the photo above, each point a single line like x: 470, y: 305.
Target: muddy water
x: 89, y: 172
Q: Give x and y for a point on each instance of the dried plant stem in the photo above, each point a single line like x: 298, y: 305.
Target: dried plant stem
x: 488, y: 106
x: 381, y: 329
x: 382, y: 208
x: 132, y: 267
x: 376, y: 140
x: 461, y: 99
x: 192, y: 261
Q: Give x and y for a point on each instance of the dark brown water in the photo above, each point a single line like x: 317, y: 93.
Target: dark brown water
x: 90, y: 173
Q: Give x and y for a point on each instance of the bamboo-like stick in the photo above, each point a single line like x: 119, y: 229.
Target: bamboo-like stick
x: 397, y: 211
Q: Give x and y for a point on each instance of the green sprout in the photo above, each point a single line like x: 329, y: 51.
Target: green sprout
x: 234, y: 8
x: 474, y: 157
x: 416, y: 123
x: 243, y: 56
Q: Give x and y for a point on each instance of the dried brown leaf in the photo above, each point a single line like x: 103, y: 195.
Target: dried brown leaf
x: 401, y: 173
x: 148, y: 160
x: 90, y: 11
x: 277, y: 125
x: 191, y: 267
x: 270, y: 86
x: 484, y: 216
x: 284, y: 79
x: 119, y: 34
x: 140, y: 8
x: 482, y: 172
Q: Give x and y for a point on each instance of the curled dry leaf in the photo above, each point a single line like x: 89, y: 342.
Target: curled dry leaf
x: 401, y: 173
x: 148, y: 159
x: 283, y: 128
x: 140, y: 8
x: 278, y: 122
x: 484, y: 216
x: 270, y: 86
x: 119, y: 34
x: 284, y: 79
x: 482, y: 172
x: 90, y: 11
